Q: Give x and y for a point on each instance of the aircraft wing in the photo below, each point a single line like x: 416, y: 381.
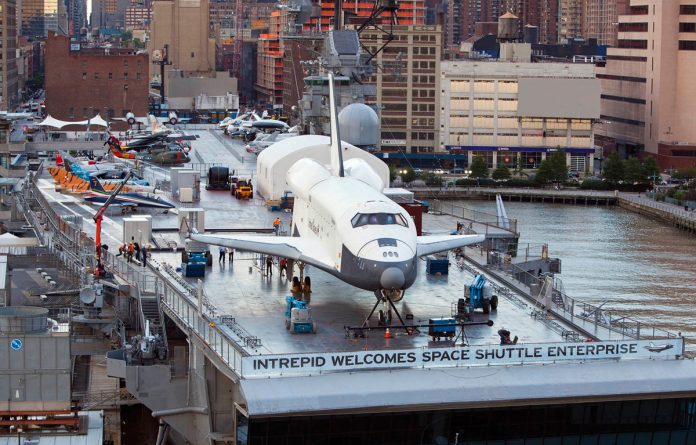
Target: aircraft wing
x: 141, y: 120
x: 439, y: 243
x: 292, y: 248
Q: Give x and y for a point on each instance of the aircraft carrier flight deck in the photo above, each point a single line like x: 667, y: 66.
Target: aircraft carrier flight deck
x: 228, y: 360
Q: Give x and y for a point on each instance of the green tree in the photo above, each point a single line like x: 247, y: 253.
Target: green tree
x: 432, y: 179
x: 650, y: 169
x: 501, y: 172
x: 632, y: 170
x: 613, y: 169
x: 479, y: 169
x: 126, y: 36
x: 553, y: 168
x: 408, y: 175
x: 139, y: 44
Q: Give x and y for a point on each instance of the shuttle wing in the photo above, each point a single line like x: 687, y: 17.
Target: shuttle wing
x: 439, y: 243
x: 292, y: 248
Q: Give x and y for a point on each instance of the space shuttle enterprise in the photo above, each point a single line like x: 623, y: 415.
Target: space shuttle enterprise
x: 342, y: 222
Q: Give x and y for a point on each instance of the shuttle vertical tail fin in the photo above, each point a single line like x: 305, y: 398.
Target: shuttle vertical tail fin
x: 336, y: 149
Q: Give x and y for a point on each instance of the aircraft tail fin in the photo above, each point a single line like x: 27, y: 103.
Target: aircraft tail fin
x: 336, y: 149
x: 67, y: 165
x: 95, y: 185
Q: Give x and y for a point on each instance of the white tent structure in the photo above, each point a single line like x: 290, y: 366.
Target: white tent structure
x: 10, y: 240
x: 50, y: 121
x: 274, y: 162
x: 14, y: 245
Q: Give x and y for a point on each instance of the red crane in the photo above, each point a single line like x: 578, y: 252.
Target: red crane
x: 98, y: 220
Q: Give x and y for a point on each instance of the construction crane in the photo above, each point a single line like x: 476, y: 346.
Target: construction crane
x: 99, y: 271
x: 238, y: 44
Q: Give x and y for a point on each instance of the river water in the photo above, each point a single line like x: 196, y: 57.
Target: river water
x: 640, y: 267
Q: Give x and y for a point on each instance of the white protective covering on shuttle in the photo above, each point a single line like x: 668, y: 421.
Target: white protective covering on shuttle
x: 305, y: 174
x: 276, y: 160
x: 361, y: 170
x: 474, y: 386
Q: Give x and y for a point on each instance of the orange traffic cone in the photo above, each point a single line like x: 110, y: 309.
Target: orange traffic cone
x: 387, y: 334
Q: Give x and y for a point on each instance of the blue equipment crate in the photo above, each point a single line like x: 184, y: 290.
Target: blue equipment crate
x: 435, y: 265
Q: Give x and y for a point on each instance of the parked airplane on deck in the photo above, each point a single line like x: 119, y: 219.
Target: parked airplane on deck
x: 152, y: 121
x: 98, y: 195
x: 344, y: 225
x: 159, y: 150
x: 15, y: 116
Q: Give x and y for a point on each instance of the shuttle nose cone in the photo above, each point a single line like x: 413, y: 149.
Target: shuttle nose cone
x: 392, y: 278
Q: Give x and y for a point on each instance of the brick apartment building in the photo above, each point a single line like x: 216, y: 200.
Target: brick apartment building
x: 83, y: 82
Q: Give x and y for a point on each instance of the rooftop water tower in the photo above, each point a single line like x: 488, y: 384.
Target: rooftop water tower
x: 508, y: 27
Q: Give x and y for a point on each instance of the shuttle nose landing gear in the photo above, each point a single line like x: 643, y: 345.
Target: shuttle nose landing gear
x: 387, y: 297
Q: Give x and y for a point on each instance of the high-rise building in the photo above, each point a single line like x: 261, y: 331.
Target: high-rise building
x: 410, y: 12
x: 540, y: 13
x: 601, y: 20
x: 408, y: 87
x: 570, y: 19
x: 514, y: 113
x: 83, y: 82
x: 648, y: 84
x: 138, y: 17
x: 453, y: 23
x: 76, y: 16
x: 184, y: 26
x: 8, y: 57
x: 39, y: 17
x: 269, y: 65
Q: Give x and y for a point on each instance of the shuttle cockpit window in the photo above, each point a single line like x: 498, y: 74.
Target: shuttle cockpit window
x: 378, y: 219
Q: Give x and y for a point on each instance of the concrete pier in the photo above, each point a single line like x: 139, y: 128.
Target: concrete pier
x: 574, y: 196
x: 669, y: 213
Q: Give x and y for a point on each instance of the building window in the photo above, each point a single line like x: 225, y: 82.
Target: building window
x: 639, y: 10
x: 633, y: 44
x: 633, y: 27
x: 110, y: 113
x: 84, y: 112
x: 530, y: 159
x: 125, y: 87
x: 687, y: 27
x: 486, y: 156
x: 84, y: 76
x: 508, y: 159
x: 71, y: 113
x: 96, y: 76
x: 137, y: 76
x: 125, y: 76
x: 687, y: 9
x: 687, y: 45
x: 192, y: 55
x: 111, y: 76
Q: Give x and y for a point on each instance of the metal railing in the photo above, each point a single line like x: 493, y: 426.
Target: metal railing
x: 182, y: 306
x: 487, y: 219
x: 572, y: 309
x: 669, y: 205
